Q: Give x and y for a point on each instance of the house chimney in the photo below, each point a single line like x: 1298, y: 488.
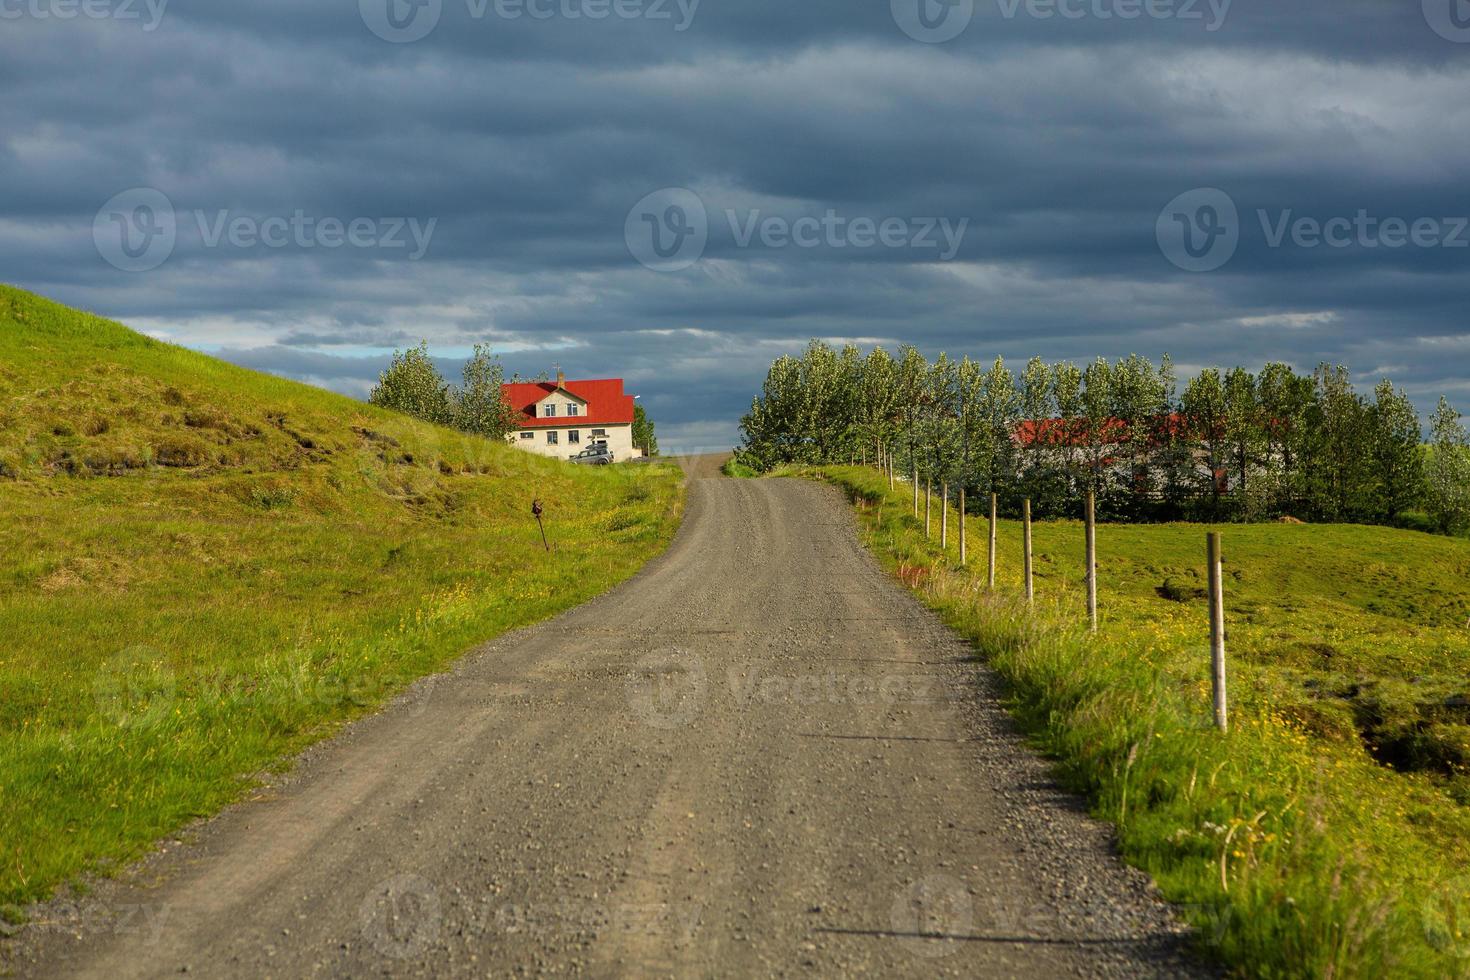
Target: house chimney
x: 561, y: 379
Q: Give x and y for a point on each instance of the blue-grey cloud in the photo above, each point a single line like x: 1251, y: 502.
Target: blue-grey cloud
x: 518, y: 146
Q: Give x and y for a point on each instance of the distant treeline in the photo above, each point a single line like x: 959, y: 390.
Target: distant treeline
x: 1233, y: 445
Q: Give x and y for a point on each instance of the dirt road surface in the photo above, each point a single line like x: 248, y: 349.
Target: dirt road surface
x: 759, y: 757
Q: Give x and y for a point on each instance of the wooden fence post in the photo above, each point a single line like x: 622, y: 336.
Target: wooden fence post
x: 944, y: 517
x: 994, y: 509
x: 1026, y: 543
x: 1217, y: 630
x: 916, y: 490
x: 927, y: 500
x: 1092, y: 561
x: 888, y: 461
x: 962, y: 527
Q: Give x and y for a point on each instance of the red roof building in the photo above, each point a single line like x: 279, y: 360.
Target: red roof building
x: 561, y: 418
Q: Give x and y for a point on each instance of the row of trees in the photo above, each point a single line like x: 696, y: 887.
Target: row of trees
x: 413, y: 385
x: 1235, y: 444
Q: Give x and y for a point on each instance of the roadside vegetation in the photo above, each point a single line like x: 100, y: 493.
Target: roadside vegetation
x: 1328, y: 833
x: 207, y: 568
x: 1221, y: 446
x: 734, y: 468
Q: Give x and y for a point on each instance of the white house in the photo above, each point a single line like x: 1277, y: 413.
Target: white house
x: 562, y: 418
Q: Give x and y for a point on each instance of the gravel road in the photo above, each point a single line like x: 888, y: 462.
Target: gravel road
x: 759, y: 757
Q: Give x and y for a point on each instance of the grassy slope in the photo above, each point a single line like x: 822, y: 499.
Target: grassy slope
x: 206, y: 568
x: 1293, y: 843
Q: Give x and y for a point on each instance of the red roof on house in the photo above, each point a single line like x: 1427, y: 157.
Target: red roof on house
x: 1075, y: 432
x: 606, y: 403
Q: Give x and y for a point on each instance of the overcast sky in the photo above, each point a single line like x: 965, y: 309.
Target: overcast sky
x: 677, y: 192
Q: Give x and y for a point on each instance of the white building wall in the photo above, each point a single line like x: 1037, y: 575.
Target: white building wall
x: 619, y: 439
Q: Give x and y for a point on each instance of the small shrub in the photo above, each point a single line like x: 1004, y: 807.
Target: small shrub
x: 272, y: 496
x: 1176, y: 591
x: 182, y: 453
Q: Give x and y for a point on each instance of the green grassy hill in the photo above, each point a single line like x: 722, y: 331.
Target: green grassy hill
x: 1328, y: 834
x: 205, y: 568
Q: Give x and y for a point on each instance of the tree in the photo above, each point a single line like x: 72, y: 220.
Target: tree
x: 1173, y: 453
x: 998, y: 403
x: 1447, y: 487
x: 1068, y: 432
x: 1137, y: 394
x: 1038, y: 470
x: 643, y: 436
x: 1398, y: 463
x: 413, y: 385
x: 1338, y: 483
x: 1203, y: 407
x: 1244, y: 435
x: 1285, y: 397
x: 1101, y: 429
x: 479, y: 406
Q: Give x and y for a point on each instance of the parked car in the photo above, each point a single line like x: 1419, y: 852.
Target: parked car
x: 596, y: 454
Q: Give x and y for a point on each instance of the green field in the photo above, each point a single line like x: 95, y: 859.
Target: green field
x: 206, y: 568
x: 1328, y: 834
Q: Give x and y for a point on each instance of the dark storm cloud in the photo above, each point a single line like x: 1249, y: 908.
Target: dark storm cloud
x: 518, y: 146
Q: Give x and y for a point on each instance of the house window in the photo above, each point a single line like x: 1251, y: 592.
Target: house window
x: 550, y: 410
x: 572, y: 410
x: 551, y: 438
x: 528, y: 435
x: 574, y: 436
x: 599, y: 432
